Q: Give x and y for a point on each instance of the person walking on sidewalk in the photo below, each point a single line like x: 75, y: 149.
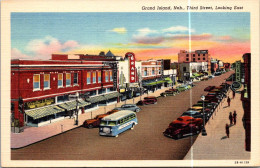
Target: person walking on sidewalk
x: 235, y: 117
x: 228, y: 101
x: 234, y: 94
x: 230, y: 118
x: 227, y: 130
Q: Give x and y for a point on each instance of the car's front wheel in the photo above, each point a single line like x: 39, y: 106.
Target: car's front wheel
x: 137, y: 110
x: 179, y: 136
x: 90, y: 126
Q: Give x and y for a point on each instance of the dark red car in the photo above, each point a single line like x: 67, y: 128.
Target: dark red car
x: 209, y: 88
x: 148, y: 100
x: 179, y: 130
x: 187, y: 120
x: 91, y: 123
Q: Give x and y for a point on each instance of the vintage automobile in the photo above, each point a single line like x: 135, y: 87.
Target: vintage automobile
x: 209, y: 88
x: 184, y: 126
x: 212, y: 98
x: 187, y: 120
x: 148, y: 100
x: 92, y: 123
x: 182, y: 88
x: 168, y: 93
x: 112, y: 111
x: 194, y: 114
x: 131, y: 107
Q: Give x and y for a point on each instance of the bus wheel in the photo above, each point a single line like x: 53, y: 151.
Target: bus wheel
x: 116, y: 136
x: 133, y: 126
x: 137, y: 110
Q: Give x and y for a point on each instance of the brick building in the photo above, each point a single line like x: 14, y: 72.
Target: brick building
x: 41, y: 89
x: 195, y: 56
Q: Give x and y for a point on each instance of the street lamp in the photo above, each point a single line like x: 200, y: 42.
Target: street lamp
x: 156, y: 83
x: 77, y: 108
x: 204, y: 133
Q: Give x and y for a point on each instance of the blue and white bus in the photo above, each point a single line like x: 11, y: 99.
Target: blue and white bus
x: 117, y: 123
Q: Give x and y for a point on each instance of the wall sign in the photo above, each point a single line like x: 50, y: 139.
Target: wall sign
x: 132, y: 71
x: 39, y: 103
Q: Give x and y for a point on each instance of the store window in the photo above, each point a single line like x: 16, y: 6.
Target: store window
x: 75, y: 79
x: 106, y: 76
x: 63, y: 98
x: 36, y: 82
x: 88, y: 78
x: 46, y: 81
x: 110, y: 76
x: 145, y: 72
x: 99, y: 76
x: 68, y: 79
x: 94, y: 77
x: 60, y: 80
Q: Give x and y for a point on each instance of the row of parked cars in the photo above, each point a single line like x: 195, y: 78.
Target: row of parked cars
x: 191, y: 121
x: 173, y: 91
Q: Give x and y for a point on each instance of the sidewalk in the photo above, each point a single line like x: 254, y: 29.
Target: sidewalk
x: 35, y: 134
x: 216, y: 146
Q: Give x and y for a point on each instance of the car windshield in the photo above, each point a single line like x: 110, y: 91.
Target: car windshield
x: 111, y: 123
x: 103, y: 122
x: 179, y: 119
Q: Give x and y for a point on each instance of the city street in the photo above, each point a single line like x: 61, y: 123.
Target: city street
x: 145, y: 142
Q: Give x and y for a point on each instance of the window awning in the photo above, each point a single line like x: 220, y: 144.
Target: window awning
x: 73, y: 104
x: 42, y: 112
x: 96, y: 99
x: 112, y: 95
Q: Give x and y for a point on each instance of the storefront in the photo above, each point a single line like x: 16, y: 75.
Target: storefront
x: 46, y: 111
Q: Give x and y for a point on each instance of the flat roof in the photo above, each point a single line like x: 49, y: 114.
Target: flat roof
x: 118, y: 115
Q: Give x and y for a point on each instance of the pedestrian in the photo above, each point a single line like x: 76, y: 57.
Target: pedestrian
x: 234, y: 94
x: 227, y: 130
x: 235, y: 117
x: 230, y: 118
x: 228, y: 101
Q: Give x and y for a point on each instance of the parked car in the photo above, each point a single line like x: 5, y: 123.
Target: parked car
x: 209, y: 88
x: 211, y: 76
x: 131, y: 107
x: 112, y: 111
x: 187, y: 120
x: 148, y: 100
x: 212, y: 98
x: 184, y: 126
x: 194, y: 114
x: 92, y: 123
x: 168, y: 93
x: 182, y: 88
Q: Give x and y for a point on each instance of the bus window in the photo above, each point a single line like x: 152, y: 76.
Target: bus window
x: 111, y: 123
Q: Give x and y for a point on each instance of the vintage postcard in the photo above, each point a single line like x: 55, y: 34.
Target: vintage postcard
x: 130, y: 83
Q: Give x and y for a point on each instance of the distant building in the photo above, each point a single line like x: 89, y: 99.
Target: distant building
x: 190, y: 68
x: 195, y: 56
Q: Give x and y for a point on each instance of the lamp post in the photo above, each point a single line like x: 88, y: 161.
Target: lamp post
x: 156, y: 83
x: 77, y: 108
x: 204, y: 133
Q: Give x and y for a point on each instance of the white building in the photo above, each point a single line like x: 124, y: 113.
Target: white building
x: 187, y: 69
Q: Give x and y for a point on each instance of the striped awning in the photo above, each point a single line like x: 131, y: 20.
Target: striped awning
x: 42, y: 112
x: 112, y: 95
x: 96, y: 99
x: 82, y: 103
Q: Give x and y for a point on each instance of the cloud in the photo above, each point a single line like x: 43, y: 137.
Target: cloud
x: 17, y: 54
x: 175, y: 29
x: 44, y: 48
x: 119, y: 30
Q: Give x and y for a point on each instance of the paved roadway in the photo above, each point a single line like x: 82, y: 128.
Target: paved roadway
x: 145, y: 142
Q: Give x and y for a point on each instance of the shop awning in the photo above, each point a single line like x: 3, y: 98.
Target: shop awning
x: 96, y: 99
x: 168, y: 80
x: 82, y: 103
x: 155, y: 83
x: 42, y: 112
x: 112, y: 95
x: 68, y: 105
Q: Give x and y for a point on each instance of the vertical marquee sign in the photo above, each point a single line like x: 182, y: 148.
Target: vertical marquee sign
x: 132, y: 71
